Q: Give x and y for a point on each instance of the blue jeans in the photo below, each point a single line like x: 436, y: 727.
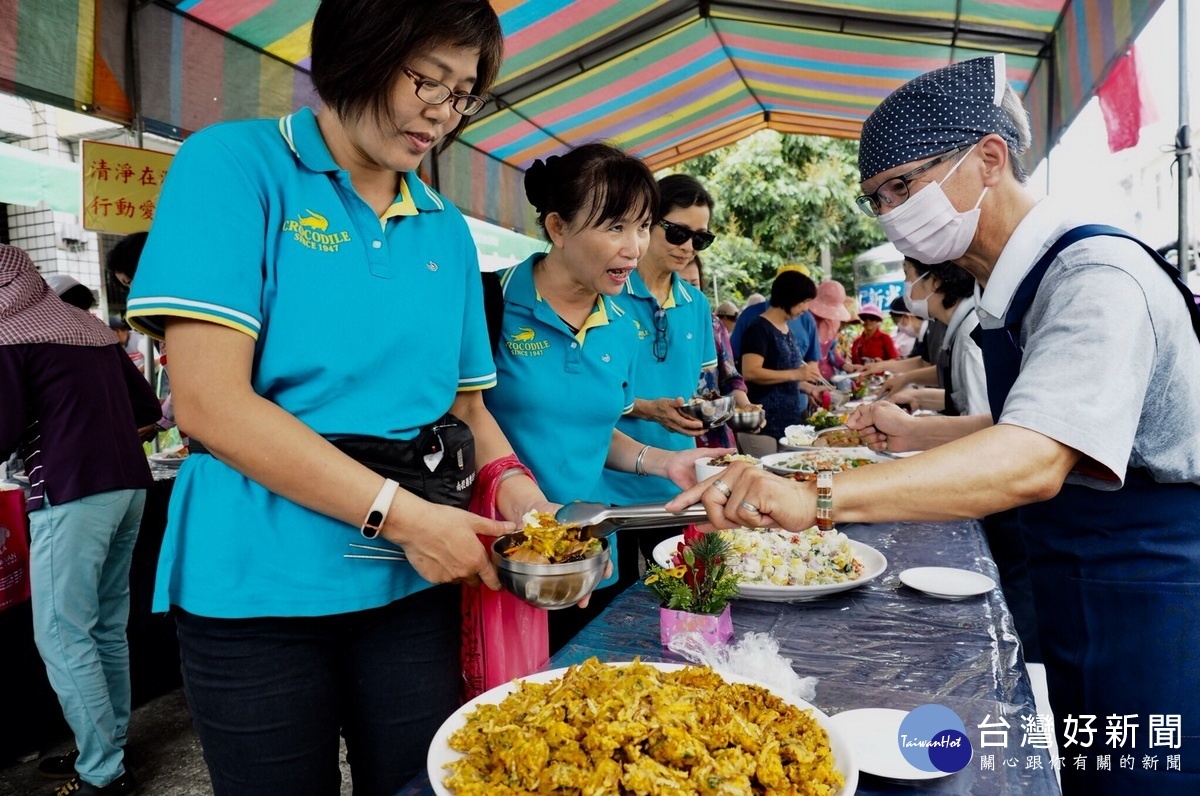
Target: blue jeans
x: 79, y: 556
x: 269, y: 695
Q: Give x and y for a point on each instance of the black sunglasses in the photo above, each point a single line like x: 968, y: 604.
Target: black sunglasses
x: 660, y: 334
x: 678, y: 234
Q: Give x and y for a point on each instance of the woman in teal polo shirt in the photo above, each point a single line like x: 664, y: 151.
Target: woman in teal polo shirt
x: 567, y: 349
x: 675, y: 327
x: 264, y: 226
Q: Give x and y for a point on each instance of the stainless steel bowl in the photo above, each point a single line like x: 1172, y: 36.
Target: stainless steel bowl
x: 710, y: 413
x: 550, y: 586
x: 746, y: 419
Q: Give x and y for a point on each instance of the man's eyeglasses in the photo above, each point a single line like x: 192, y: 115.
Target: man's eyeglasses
x: 660, y: 334
x: 894, y: 192
x: 677, y: 235
x: 431, y: 92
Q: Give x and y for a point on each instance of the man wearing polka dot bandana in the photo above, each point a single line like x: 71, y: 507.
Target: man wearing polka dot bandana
x: 1092, y: 349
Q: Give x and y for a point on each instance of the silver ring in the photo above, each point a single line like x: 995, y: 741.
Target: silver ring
x: 722, y: 487
x: 750, y: 507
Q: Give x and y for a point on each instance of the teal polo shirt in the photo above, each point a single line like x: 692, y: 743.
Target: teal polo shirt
x: 558, y: 394
x: 689, y: 350
x: 362, y: 325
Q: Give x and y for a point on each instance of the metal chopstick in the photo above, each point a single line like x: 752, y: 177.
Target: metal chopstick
x: 383, y: 553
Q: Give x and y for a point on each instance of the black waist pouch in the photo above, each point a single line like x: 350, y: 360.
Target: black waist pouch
x: 437, y: 465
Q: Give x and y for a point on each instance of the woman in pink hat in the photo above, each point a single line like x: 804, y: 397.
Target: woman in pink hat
x: 873, y: 344
x: 829, y: 308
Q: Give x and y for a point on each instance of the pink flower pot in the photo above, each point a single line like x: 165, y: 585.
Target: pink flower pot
x: 714, y: 628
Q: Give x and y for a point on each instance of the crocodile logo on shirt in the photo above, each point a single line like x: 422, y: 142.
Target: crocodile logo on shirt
x: 311, y: 230
x: 522, y: 343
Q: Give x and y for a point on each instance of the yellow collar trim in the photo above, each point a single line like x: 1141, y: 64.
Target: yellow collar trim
x: 599, y: 317
x: 404, y: 206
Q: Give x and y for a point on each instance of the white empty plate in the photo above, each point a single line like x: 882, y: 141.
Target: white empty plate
x: 872, y: 736
x: 946, y: 582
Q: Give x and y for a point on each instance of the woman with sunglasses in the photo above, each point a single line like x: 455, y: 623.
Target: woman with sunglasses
x: 567, y: 347
x: 290, y: 635
x: 675, y: 327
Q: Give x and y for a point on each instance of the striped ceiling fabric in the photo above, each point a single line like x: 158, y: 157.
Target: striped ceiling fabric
x: 667, y: 79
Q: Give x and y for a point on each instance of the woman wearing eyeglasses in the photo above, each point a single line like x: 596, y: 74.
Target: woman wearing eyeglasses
x: 286, y: 641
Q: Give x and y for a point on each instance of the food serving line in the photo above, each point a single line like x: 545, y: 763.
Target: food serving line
x: 881, y: 645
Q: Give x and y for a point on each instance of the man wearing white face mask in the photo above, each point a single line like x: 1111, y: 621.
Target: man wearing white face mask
x: 1107, y: 482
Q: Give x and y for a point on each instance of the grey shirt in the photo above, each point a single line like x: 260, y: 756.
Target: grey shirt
x: 1111, y: 363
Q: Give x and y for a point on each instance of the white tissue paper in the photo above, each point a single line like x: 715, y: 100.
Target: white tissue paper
x: 755, y: 656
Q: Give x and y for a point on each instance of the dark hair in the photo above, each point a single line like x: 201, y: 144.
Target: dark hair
x: 360, y: 48
x: 699, y: 267
x: 956, y: 284
x: 898, y: 308
x: 681, y: 190
x: 597, y: 179
x: 79, y: 296
x: 123, y: 259
x: 791, y: 288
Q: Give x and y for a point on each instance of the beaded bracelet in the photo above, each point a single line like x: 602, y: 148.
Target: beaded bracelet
x: 825, y: 500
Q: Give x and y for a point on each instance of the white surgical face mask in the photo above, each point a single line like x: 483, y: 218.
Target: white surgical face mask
x: 927, y: 228
x: 918, y: 307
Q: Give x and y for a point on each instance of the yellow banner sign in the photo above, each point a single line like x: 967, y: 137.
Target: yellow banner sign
x: 121, y: 186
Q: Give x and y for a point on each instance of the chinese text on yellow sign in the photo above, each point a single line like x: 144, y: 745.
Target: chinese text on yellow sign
x: 121, y: 186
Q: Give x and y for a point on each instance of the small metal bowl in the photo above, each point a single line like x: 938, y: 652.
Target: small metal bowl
x: 710, y: 413
x: 550, y: 586
x: 746, y: 419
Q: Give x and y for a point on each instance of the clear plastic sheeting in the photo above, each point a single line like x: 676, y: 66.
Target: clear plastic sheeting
x: 883, y: 645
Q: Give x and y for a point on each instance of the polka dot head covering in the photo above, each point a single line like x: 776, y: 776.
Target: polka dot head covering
x: 935, y: 112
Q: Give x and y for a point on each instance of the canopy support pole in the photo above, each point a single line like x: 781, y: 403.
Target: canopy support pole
x: 1183, y: 148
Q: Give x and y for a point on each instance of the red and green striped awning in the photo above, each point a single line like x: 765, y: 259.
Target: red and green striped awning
x: 667, y: 79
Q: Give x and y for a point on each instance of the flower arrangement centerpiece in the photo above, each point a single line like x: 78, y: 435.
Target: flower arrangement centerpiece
x: 696, y: 591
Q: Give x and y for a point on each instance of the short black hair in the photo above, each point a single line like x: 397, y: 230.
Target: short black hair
x: 955, y: 283
x: 361, y: 47
x: 123, y: 259
x: 597, y: 180
x: 79, y: 296
x: 681, y: 190
x: 699, y: 267
x: 791, y: 288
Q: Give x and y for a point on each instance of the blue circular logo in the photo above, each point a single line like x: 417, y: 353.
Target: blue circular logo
x: 933, y: 738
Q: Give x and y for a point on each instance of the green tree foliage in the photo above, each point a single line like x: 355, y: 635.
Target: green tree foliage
x: 780, y: 199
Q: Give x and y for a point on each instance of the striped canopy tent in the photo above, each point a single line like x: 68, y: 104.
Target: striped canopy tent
x: 666, y: 79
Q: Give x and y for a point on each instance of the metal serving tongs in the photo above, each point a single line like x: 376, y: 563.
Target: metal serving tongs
x: 596, y: 519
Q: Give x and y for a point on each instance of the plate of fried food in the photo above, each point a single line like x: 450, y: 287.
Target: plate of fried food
x: 638, y: 727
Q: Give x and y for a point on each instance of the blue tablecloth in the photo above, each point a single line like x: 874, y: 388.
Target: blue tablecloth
x: 882, y: 645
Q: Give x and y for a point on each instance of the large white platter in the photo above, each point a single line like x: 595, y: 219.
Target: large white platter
x: 947, y: 583
x: 874, y: 564
x: 440, y: 752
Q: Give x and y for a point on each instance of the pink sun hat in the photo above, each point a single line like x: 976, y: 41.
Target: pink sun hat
x: 870, y: 311
x: 830, y: 302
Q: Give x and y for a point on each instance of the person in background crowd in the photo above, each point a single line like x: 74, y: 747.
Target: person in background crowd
x: 947, y: 293
x: 804, y: 326
x: 72, y: 291
x: 285, y: 641
x: 123, y: 259
x: 829, y: 310
x: 752, y: 299
x: 724, y: 378
x: 129, y: 339
x: 1108, y: 485
x: 566, y: 354
x: 772, y: 363
x: 909, y: 328
x: 72, y: 406
x: 727, y: 313
x: 874, y: 344
x: 675, y: 328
